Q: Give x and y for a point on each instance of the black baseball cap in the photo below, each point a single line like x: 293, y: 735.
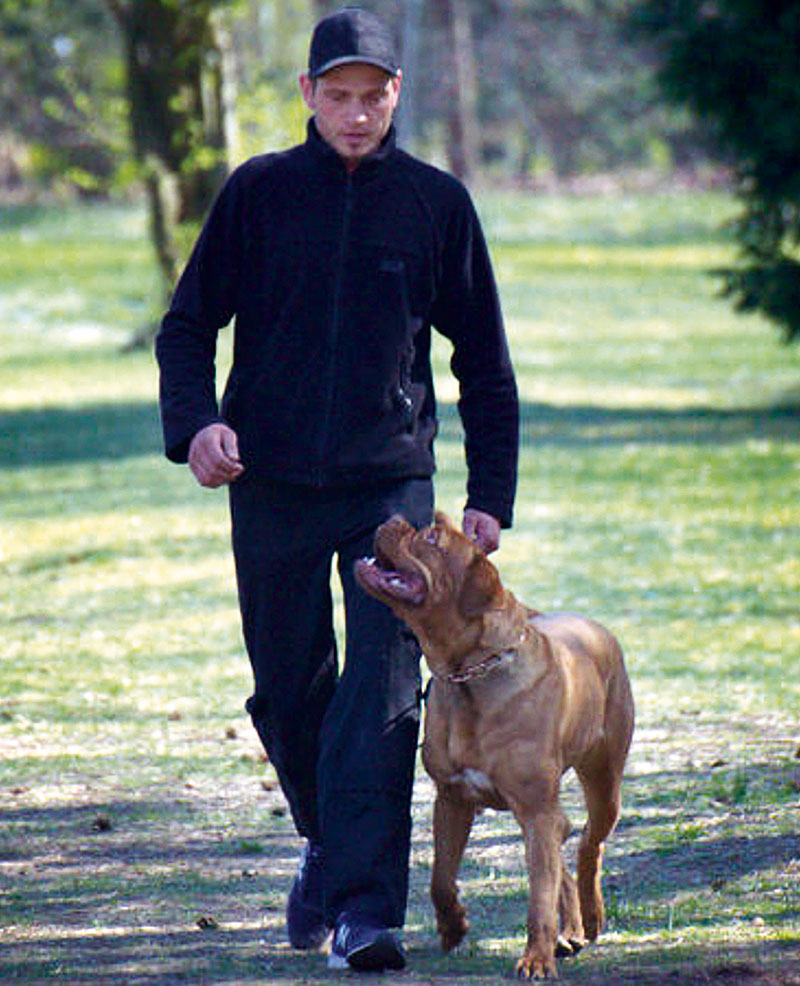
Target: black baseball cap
x: 351, y: 35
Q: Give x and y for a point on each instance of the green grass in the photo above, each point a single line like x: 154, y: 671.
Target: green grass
x: 658, y: 493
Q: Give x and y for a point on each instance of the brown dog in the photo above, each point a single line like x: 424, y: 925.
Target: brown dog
x: 517, y: 698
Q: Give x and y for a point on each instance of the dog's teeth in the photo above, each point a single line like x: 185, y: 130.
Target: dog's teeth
x: 396, y: 581
x: 370, y: 561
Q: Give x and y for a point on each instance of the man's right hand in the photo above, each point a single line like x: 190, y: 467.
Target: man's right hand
x: 214, y: 456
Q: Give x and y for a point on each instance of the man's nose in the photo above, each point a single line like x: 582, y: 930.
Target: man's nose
x: 358, y: 111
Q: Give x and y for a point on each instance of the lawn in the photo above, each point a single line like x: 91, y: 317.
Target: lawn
x: 142, y: 835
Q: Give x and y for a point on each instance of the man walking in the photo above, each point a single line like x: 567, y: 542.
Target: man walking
x: 336, y: 258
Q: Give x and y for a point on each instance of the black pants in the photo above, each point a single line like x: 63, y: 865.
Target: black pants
x: 343, y: 744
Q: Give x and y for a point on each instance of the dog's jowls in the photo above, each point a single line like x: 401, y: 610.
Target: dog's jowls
x: 517, y: 698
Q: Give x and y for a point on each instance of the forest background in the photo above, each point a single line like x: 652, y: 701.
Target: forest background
x: 104, y: 98
x: 100, y: 97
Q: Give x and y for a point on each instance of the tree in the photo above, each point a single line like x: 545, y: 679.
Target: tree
x: 174, y: 86
x: 60, y: 92
x: 734, y: 64
x: 74, y: 75
x: 268, y: 49
x: 514, y: 87
x: 462, y: 116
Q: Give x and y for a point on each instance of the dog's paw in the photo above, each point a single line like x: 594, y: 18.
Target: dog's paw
x: 452, y: 930
x: 567, y: 946
x: 532, y: 966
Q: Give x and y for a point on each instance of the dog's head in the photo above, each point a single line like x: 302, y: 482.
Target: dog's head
x: 436, y: 580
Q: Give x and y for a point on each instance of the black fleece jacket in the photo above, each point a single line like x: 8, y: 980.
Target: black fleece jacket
x: 335, y: 279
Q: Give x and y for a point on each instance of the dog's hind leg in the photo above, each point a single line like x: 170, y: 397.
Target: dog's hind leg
x: 601, y: 780
x: 570, y: 938
x: 452, y: 821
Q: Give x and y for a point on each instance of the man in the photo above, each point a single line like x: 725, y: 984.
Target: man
x: 335, y: 258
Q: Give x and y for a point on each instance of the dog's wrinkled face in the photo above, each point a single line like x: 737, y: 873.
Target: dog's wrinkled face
x: 435, y: 578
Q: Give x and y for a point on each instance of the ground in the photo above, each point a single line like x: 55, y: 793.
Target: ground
x: 186, y: 884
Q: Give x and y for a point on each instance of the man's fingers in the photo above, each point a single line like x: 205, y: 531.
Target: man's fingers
x: 214, y: 456
x: 230, y: 446
x: 483, y: 529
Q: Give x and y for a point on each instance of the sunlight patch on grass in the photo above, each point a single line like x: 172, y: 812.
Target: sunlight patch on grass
x: 658, y: 493
x: 516, y: 261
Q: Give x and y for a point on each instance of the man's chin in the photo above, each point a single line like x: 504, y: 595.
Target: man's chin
x: 354, y: 150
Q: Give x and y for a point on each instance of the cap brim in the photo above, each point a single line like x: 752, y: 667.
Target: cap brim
x: 353, y: 60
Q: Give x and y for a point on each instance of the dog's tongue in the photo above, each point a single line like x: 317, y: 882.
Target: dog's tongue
x: 407, y: 587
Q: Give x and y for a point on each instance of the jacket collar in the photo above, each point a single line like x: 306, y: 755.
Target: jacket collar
x: 325, y: 153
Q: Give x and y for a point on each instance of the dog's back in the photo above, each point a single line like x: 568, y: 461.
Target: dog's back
x: 582, y: 640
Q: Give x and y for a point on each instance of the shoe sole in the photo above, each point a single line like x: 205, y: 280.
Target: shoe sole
x: 382, y: 953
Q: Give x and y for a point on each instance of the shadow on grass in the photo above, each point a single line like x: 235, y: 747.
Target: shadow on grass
x: 651, y: 875
x: 166, y: 893
x: 588, y: 425
x: 140, y: 891
x: 707, y: 863
x: 85, y: 433
x: 109, y: 431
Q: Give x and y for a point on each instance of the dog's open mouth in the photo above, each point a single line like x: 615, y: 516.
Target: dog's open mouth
x: 381, y: 577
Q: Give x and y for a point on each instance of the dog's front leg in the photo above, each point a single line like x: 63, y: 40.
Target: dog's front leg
x: 541, y: 831
x: 452, y: 821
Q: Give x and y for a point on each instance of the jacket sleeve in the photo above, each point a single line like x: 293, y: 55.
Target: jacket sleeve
x: 467, y: 311
x: 204, y: 301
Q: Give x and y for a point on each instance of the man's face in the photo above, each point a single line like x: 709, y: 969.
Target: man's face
x: 353, y: 106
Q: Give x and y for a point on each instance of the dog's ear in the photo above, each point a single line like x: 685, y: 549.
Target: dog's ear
x: 441, y: 519
x: 480, y: 587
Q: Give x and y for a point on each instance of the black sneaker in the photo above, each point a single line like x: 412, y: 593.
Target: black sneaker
x: 365, y: 947
x: 305, y: 917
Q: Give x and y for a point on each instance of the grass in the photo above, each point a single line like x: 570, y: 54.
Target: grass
x: 143, y: 838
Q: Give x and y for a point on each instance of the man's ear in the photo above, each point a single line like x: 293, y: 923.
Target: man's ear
x: 307, y: 89
x: 480, y: 589
x: 397, y: 85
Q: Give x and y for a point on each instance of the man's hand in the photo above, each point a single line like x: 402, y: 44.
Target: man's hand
x: 214, y: 456
x: 483, y: 529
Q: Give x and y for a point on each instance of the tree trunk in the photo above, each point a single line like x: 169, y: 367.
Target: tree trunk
x: 228, y: 85
x: 407, y: 117
x: 175, y: 94
x: 462, y: 118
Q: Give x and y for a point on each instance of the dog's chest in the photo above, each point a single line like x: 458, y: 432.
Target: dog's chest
x: 465, y: 763
x: 474, y: 785
x: 454, y: 750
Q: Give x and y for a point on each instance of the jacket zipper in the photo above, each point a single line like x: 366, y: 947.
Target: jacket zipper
x: 336, y: 321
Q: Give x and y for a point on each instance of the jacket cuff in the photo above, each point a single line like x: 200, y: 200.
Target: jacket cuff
x: 503, y: 513
x: 176, y: 448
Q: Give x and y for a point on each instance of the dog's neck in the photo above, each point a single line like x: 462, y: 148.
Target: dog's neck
x: 482, y: 668
x: 494, y: 646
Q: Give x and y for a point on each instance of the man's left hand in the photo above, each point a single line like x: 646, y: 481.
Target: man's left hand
x: 482, y: 528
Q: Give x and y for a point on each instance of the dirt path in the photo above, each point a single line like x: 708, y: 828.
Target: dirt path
x: 166, y: 886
